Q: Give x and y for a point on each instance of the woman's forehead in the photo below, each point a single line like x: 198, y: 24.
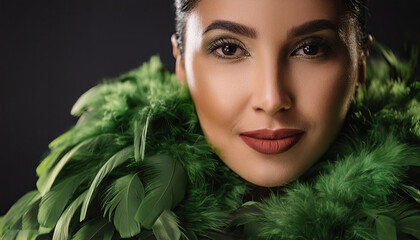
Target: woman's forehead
x: 272, y: 20
x: 271, y: 14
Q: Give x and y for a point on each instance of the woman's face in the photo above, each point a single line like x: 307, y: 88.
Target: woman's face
x: 272, y: 81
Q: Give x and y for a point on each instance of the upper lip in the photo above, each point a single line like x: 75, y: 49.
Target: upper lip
x: 269, y: 134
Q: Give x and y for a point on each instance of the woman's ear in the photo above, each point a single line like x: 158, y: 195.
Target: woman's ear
x: 362, y: 62
x: 179, y: 62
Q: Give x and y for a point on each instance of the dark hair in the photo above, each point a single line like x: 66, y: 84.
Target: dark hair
x: 356, y: 8
x: 182, y: 9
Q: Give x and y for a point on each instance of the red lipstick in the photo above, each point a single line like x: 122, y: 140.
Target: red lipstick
x: 272, y: 142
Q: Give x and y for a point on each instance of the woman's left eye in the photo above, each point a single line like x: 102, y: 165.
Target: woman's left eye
x: 312, y: 49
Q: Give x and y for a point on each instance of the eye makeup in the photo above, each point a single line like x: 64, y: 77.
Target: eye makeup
x: 313, y: 47
x: 226, y: 48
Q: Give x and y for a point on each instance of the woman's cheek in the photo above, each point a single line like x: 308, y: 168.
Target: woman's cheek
x: 219, y: 91
x: 323, y: 89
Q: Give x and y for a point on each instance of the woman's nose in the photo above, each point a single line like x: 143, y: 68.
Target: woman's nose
x: 270, y: 93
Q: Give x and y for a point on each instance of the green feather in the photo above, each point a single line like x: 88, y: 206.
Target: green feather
x: 140, y: 139
x: 413, y: 192
x: 49, y: 161
x: 366, y: 174
x: 29, y: 219
x: 166, y: 188
x: 13, y: 217
x: 61, y: 230
x: 54, y: 202
x: 116, y: 160
x: 410, y: 225
x: 27, y: 235
x: 385, y: 228
x: 97, y: 228
x: 146, y: 235
x: 10, y: 235
x: 143, y: 138
x: 124, y: 196
x: 43, y: 230
x: 45, y: 182
x: 137, y: 140
x: 83, y: 102
x: 166, y: 226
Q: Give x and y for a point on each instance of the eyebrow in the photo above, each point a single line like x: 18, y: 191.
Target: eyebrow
x: 311, y: 27
x: 232, y: 27
x: 306, y: 28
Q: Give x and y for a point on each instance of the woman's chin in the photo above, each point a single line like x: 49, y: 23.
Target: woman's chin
x: 269, y: 178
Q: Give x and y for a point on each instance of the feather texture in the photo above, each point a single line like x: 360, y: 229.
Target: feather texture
x: 166, y: 226
x: 121, y: 201
x: 27, y: 235
x: 385, y: 228
x: 140, y: 139
x: 413, y: 192
x: 29, y: 219
x: 144, y: 136
x: 165, y: 188
x: 95, y: 229
x: 46, y: 181
x: 365, y: 187
x: 111, y: 164
x: 61, y: 230
x: 410, y: 225
x: 12, y: 219
x: 54, y: 201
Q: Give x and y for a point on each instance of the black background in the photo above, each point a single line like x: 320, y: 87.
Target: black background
x: 53, y: 51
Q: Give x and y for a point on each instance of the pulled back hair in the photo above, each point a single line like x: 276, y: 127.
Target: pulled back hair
x: 356, y: 9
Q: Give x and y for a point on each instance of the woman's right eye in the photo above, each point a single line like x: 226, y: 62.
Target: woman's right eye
x: 228, y: 49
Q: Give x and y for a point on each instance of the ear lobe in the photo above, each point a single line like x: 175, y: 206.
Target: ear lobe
x: 179, y: 63
x: 362, y: 73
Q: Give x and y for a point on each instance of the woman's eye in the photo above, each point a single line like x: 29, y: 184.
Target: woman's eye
x: 228, y: 50
x: 312, y: 50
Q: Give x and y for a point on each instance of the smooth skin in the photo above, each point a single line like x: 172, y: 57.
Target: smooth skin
x: 270, y: 64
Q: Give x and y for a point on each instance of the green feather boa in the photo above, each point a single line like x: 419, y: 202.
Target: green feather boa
x: 137, y: 165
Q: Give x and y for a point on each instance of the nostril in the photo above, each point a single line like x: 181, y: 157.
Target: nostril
x: 274, y: 104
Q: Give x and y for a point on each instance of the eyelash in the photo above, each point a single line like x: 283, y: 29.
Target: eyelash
x: 223, y: 42
x: 323, y: 45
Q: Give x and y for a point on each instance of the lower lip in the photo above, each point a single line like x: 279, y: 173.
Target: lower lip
x: 271, y: 147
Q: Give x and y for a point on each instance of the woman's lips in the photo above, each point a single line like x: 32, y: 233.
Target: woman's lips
x: 271, y: 142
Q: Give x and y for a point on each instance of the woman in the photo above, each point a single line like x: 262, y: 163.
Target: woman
x: 272, y: 86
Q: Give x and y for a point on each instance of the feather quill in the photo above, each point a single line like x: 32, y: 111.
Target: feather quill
x: 166, y: 188
x: 29, y: 219
x: 54, y: 201
x: 97, y: 228
x: 166, y: 226
x: 116, y: 160
x: 61, y: 230
x: 144, y: 136
x: 140, y: 139
x: 14, y: 215
x: 124, y: 196
x: 45, y: 181
x: 412, y: 191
